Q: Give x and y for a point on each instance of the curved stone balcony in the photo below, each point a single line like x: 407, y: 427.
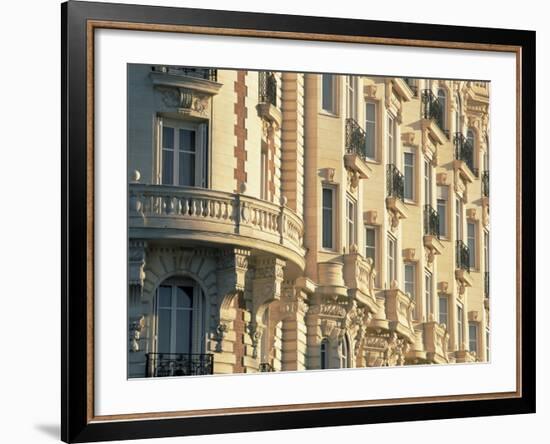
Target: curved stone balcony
x: 201, y: 215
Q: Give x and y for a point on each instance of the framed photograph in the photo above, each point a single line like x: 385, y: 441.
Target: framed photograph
x: 276, y: 221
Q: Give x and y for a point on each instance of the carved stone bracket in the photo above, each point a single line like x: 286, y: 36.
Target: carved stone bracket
x: 136, y: 328
x: 136, y: 266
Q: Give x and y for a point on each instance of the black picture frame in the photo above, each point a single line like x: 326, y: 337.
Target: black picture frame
x: 77, y: 424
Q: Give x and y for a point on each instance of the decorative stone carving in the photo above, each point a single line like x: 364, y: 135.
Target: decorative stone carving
x: 408, y: 138
x: 471, y: 214
x: 441, y: 179
x: 371, y: 217
x: 136, y: 262
x: 185, y: 99
x: 328, y: 174
x: 136, y: 328
x: 221, y: 331
x: 370, y: 91
x: 353, y: 181
x: 409, y: 254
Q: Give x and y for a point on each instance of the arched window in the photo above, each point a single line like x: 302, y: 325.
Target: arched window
x: 442, y: 118
x: 344, y: 352
x: 179, y: 317
x: 324, y: 353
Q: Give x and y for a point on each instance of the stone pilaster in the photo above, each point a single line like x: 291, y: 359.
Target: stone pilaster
x: 293, y: 310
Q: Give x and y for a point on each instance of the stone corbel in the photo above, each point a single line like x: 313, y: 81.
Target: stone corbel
x: 232, y: 269
x: 136, y: 266
x: 136, y: 328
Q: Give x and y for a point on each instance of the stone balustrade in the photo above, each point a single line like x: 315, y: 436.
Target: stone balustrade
x: 162, y: 211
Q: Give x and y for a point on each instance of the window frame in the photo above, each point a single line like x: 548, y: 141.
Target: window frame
x: 413, y: 282
x: 201, y: 153
x: 374, y: 124
x: 333, y: 110
x: 444, y: 297
x: 472, y: 247
x: 428, y: 294
x: 407, y: 151
x: 443, y: 196
x: 473, y: 326
x: 351, y: 221
x: 459, y: 325
x: 333, y: 246
x: 391, y: 271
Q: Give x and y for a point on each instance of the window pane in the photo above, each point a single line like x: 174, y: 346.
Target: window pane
x: 442, y: 211
x: 165, y: 296
x: 163, y: 330
x: 472, y: 243
x: 167, y: 137
x: 472, y: 333
x: 187, y: 169
x: 409, y: 175
x: 443, y: 310
x: 370, y: 129
x: 183, y: 331
x: 187, y: 140
x: 328, y: 93
x: 184, y: 297
x: 410, y: 280
x: 327, y: 218
x: 167, y: 167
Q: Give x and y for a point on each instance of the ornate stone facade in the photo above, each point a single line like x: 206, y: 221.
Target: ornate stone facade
x: 265, y: 236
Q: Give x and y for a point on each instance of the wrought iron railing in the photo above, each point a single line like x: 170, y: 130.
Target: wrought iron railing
x: 464, y: 150
x: 178, y: 364
x: 356, y: 138
x: 431, y: 221
x: 200, y: 73
x: 266, y: 367
x: 486, y: 286
x: 485, y: 183
x: 433, y: 109
x: 267, y: 88
x: 395, y: 182
x: 462, y: 256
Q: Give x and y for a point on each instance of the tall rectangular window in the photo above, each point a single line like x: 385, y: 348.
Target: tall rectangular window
x: 328, y: 218
x: 264, y: 188
x: 442, y: 198
x: 427, y: 182
x: 410, y: 279
x: 329, y: 93
x: 370, y: 129
x: 458, y: 218
x: 444, y: 310
x: 428, y: 294
x: 408, y: 172
x: 392, y: 259
x: 350, y: 223
x: 183, y: 153
x: 472, y: 337
x: 459, y: 326
x: 351, y: 97
x: 472, y: 243
x: 391, y: 147
x: 370, y: 243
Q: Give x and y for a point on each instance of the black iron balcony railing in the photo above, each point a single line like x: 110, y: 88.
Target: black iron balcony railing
x: 395, y: 182
x: 462, y: 256
x: 266, y: 367
x: 486, y: 286
x: 178, y: 364
x: 267, y: 88
x: 485, y: 183
x: 464, y: 150
x: 411, y: 83
x: 433, y: 109
x: 356, y: 138
x: 431, y: 221
x: 200, y: 73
